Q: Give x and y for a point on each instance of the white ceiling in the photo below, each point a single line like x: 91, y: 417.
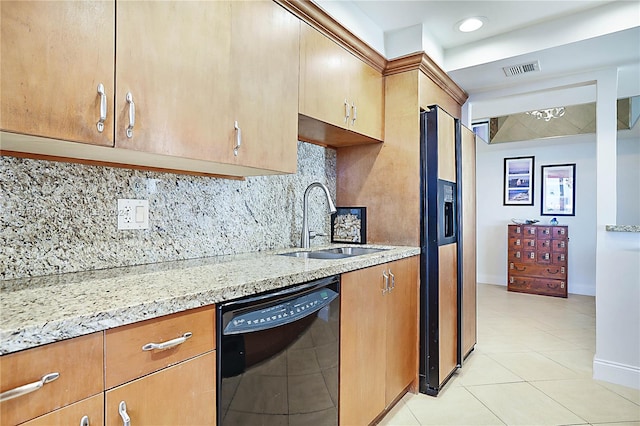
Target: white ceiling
x: 565, y: 36
x: 441, y: 16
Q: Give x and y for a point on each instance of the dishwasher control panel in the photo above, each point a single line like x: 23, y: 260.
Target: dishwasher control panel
x: 281, y: 313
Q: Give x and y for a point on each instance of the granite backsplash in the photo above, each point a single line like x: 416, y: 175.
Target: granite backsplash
x: 62, y: 217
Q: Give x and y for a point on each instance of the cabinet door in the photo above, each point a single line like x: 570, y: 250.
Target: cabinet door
x: 362, y: 346
x: 324, y: 78
x: 92, y: 408
x: 402, y: 327
x: 264, y: 87
x: 173, y: 57
x: 366, y: 94
x: 180, y: 395
x: 447, y: 310
x: 54, y: 55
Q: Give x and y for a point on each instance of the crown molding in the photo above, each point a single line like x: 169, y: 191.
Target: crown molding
x: 313, y: 15
x: 421, y: 61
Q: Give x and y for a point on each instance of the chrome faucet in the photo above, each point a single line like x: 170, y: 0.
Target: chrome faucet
x: 305, y: 238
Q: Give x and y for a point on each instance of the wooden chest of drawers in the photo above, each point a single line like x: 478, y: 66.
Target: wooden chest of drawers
x: 537, y: 259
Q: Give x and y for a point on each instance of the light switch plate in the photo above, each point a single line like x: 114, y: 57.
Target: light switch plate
x: 133, y: 214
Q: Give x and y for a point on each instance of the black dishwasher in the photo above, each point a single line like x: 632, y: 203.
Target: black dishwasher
x: 278, y: 357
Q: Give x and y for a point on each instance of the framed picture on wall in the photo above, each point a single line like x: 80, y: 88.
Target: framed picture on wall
x: 558, y: 190
x: 518, y: 181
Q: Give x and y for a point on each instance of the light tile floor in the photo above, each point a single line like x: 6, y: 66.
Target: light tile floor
x: 532, y: 366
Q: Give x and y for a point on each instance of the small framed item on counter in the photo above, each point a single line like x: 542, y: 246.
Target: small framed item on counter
x: 349, y: 225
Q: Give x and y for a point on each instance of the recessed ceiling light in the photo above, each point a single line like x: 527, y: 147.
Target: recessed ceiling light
x: 470, y: 24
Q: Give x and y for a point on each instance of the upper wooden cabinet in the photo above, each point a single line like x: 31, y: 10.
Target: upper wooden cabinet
x: 173, y: 63
x: 206, y: 87
x: 54, y: 56
x: 337, y: 92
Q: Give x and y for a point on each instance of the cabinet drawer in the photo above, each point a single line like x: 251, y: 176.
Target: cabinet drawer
x: 544, y: 257
x: 559, y: 258
x: 516, y: 243
x: 530, y: 231
x: 560, y: 232
x: 544, y: 232
x: 183, y: 394
x: 559, y: 246
x: 516, y: 230
x: 552, y: 271
x: 543, y: 245
x: 529, y: 256
x: 538, y: 286
x: 79, y: 363
x: 530, y: 243
x: 125, y: 358
x: 515, y: 255
x: 92, y: 408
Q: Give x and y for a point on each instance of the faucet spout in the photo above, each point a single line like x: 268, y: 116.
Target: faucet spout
x: 305, y: 239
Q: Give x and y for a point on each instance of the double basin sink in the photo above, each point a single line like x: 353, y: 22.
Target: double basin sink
x: 333, y: 253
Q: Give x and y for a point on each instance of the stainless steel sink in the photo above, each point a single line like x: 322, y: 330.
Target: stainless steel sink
x: 334, y: 253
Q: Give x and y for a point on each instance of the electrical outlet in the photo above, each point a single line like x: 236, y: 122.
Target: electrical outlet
x: 133, y: 214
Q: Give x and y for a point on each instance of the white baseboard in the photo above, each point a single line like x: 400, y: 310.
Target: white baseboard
x: 493, y: 279
x: 613, y: 372
x: 586, y: 290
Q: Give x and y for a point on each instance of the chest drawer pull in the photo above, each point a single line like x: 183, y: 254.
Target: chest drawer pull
x: 84, y: 421
x: 168, y: 344
x: 31, y: 387
x: 122, y: 409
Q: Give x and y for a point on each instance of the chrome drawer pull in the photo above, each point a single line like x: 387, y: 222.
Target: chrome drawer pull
x: 84, y: 421
x: 31, y: 387
x: 167, y: 345
x: 386, y: 282
x: 103, y: 107
x: 346, y: 111
x: 355, y: 113
x: 122, y: 409
x: 238, y: 138
x: 132, y: 114
x: 393, y: 280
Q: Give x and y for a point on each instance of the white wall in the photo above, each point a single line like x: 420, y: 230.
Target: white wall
x: 493, y: 216
x: 628, y: 181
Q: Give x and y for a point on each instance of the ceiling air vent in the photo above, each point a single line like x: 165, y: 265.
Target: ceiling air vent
x: 521, y: 69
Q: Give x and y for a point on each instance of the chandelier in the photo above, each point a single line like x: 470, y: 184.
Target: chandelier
x: 547, y: 114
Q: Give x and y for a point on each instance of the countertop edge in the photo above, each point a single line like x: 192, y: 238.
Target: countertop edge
x: 623, y: 228
x: 42, y: 331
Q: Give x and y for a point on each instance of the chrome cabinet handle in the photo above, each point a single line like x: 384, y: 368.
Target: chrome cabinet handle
x: 238, y: 138
x: 84, y: 421
x: 393, y: 280
x: 346, y: 111
x: 122, y: 409
x: 103, y: 107
x: 386, y: 282
x: 168, y: 344
x: 132, y: 115
x: 28, y: 388
x: 355, y: 113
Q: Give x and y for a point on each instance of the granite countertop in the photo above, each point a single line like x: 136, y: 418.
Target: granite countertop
x: 40, y: 310
x: 623, y: 228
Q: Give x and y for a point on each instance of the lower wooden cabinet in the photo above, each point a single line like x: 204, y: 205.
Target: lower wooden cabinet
x: 184, y: 394
x: 75, y: 371
x: 88, y: 412
x: 378, y: 338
